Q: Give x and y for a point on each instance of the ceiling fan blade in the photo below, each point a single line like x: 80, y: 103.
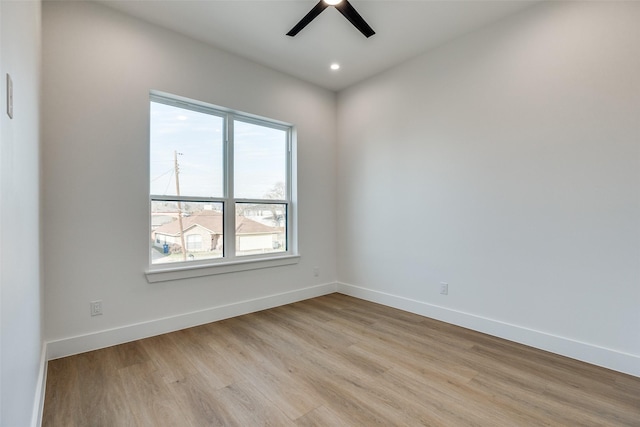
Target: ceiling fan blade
x: 354, y: 17
x: 313, y: 13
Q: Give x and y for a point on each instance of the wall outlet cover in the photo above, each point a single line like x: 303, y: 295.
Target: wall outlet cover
x: 96, y: 308
x: 444, y: 288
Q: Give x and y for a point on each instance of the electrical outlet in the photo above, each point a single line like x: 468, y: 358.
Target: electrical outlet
x: 444, y: 288
x: 96, y: 308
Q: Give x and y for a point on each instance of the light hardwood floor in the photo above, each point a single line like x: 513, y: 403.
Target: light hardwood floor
x: 333, y: 361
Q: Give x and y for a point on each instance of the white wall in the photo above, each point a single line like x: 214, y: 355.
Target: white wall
x: 506, y: 163
x: 509, y: 159
x: 98, y: 69
x: 20, y: 284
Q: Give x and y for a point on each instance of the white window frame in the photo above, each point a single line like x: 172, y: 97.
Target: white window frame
x: 230, y: 262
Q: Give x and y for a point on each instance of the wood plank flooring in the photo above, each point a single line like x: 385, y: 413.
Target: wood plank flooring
x: 333, y: 361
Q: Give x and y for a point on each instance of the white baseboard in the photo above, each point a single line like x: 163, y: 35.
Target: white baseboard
x: 600, y: 356
x: 38, y: 407
x: 595, y: 355
x: 82, y: 343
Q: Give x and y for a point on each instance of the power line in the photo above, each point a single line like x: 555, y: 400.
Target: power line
x: 168, y: 183
x: 162, y: 174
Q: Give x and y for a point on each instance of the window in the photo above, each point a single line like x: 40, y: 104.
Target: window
x: 219, y: 185
x: 194, y: 243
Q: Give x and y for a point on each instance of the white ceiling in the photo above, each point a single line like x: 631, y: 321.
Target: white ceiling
x: 255, y: 29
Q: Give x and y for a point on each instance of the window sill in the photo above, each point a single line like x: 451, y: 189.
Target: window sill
x: 187, y: 272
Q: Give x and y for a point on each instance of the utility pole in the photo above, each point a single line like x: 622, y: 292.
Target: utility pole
x: 177, y: 170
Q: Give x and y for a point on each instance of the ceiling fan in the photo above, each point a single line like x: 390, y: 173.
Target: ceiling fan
x: 344, y: 7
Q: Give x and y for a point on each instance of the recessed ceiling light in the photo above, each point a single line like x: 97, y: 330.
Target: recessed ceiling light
x: 332, y: 2
x: 335, y: 66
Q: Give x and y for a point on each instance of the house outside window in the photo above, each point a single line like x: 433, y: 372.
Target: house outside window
x: 219, y: 185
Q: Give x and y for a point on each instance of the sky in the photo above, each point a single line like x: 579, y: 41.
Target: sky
x: 260, y: 154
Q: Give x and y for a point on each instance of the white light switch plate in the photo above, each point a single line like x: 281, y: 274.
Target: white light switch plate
x: 9, y: 96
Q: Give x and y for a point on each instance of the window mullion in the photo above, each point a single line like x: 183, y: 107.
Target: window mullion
x: 289, y: 191
x: 262, y: 201
x: 164, y: 198
x: 229, y: 206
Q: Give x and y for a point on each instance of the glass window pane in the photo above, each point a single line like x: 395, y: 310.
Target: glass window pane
x: 260, y: 161
x: 188, y: 144
x: 260, y: 228
x: 198, y: 226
